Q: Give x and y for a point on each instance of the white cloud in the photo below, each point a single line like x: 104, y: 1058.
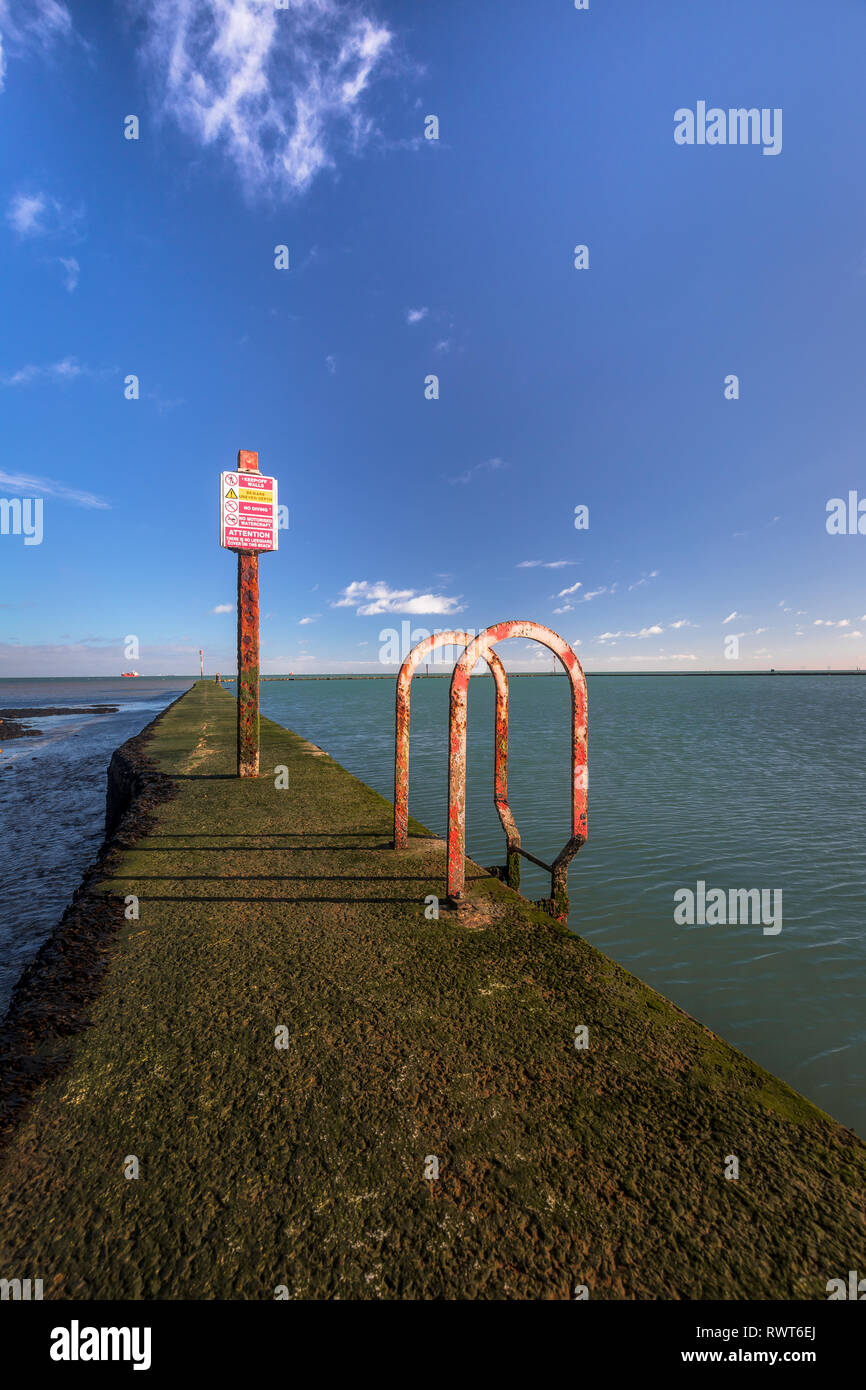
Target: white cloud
x: 730, y: 618
x: 852, y: 634
x: 46, y: 487
x: 224, y: 608
x: 65, y: 370
x: 563, y: 593
x: 654, y: 631
x: 369, y: 599
x: 72, y: 268
x: 302, y: 622
x: 488, y: 466
x: 544, y: 564
x: 28, y: 25
x: 416, y: 315
x: 26, y: 212
x: 566, y: 608
x: 37, y: 214
x: 594, y: 593
x: 280, y: 91
x: 653, y: 574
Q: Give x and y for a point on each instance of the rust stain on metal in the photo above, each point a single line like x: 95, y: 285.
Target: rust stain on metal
x: 557, y: 904
x: 475, y: 649
x: 248, y: 645
x: 401, y: 746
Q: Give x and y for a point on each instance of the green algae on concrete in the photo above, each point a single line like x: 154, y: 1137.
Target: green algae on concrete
x: 283, y: 916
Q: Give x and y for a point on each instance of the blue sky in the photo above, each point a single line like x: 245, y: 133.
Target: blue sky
x: 409, y: 257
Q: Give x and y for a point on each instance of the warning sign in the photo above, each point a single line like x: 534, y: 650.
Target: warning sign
x: 248, y: 511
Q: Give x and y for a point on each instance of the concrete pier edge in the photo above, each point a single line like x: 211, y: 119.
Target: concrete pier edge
x: 305, y: 1170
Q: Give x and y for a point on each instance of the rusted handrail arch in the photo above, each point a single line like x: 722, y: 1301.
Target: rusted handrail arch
x: 481, y: 647
x: 401, y: 749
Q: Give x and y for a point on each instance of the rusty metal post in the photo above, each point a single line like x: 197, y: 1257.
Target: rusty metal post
x: 248, y: 645
x: 401, y: 747
x: 557, y: 904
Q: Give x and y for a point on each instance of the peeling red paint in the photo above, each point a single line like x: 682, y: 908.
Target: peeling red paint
x: 248, y: 645
x: 481, y: 647
x: 401, y: 749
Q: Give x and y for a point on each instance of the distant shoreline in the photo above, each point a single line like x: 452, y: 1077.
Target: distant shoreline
x: 391, y: 675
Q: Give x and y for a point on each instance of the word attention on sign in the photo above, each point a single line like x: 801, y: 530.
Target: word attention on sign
x: 248, y: 511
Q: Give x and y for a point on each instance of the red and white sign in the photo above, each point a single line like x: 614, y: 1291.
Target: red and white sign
x: 248, y: 511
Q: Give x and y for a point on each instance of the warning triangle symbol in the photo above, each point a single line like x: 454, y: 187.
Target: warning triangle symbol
x: 231, y: 493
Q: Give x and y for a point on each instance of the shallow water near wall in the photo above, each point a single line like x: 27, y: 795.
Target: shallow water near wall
x: 52, y: 799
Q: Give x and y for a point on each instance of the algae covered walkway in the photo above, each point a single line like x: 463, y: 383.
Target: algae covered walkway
x: 279, y: 915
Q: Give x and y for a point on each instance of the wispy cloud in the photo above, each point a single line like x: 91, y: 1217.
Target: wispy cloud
x: 37, y: 214
x: 654, y: 631
x: 369, y: 599
x: 544, y: 564
x: 47, y: 487
x: 302, y: 622
x: 563, y: 593
x: 31, y: 25
x: 653, y: 574
x: 72, y: 268
x: 26, y: 212
x: 280, y: 91
x: 416, y: 315
x: 489, y: 466
x: 730, y: 618
x: 224, y: 608
x: 65, y: 370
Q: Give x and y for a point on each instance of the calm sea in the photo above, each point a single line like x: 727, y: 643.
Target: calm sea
x: 737, y: 781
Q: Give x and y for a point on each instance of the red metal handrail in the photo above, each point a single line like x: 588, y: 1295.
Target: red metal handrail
x: 401, y: 749
x: 481, y: 647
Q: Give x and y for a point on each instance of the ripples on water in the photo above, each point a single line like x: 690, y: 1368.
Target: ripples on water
x: 742, y: 781
x: 52, y: 800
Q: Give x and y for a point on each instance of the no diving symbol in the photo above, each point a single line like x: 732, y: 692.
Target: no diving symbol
x: 231, y: 507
